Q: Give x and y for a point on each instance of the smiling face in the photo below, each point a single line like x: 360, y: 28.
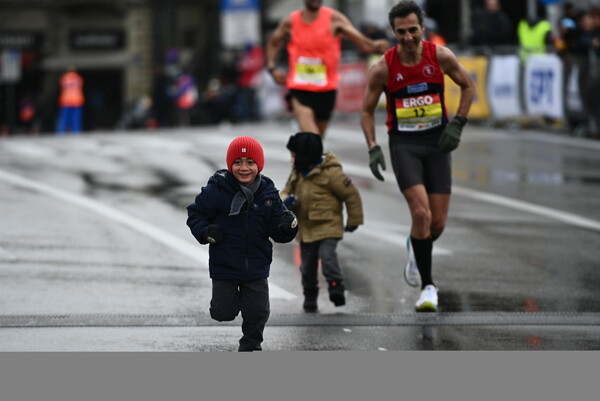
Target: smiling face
x: 244, y: 170
x: 408, y: 32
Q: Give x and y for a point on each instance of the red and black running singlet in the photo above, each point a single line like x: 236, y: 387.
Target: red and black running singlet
x: 415, y: 95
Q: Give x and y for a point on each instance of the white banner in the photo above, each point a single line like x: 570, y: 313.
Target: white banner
x: 503, y: 87
x: 543, y: 86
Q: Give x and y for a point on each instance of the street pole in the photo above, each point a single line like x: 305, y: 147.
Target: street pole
x: 465, y: 21
x: 531, y: 9
x: 10, y: 106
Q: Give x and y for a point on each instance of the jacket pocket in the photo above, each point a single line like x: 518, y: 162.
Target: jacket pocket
x: 321, y: 215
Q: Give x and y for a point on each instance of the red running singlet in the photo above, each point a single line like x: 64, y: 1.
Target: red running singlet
x: 314, y: 53
x: 415, y: 94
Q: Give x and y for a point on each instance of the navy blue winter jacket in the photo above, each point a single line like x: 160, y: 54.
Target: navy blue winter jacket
x: 245, y: 253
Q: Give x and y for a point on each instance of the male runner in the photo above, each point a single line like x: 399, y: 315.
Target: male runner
x: 420, y: 136
x: 314, y: 51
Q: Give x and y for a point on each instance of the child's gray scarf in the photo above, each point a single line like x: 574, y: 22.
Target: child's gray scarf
x: 246, y: 193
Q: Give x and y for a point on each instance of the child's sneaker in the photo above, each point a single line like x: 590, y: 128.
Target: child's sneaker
x: 428, y: 301
x: 411, y: 270
x: 336, y: 293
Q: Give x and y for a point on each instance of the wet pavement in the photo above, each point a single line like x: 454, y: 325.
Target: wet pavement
x: 95, y: 254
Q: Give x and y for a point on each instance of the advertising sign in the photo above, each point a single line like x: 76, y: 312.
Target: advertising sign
x: 477, y: 68
x: 351, y: 88
x: 240, y: 22
x: 503, y: 87
x: 543, y: 86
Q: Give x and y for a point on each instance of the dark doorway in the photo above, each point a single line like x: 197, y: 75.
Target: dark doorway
x: 103, y: 91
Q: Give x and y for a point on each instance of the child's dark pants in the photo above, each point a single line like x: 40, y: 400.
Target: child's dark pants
x: 229, y: 297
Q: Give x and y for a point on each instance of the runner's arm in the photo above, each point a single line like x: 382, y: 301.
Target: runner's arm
x: 343, y: 25
x: 273, y: 45
x: 376, y: 80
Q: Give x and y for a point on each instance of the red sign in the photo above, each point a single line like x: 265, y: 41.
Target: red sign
x: 351, y: 88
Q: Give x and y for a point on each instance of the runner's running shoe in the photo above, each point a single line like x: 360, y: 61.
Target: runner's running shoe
x: 428, y: 301
x: 411, y: 270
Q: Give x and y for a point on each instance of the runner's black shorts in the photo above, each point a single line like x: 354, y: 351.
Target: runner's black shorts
x: 321, y: 103
x: 417, y: 159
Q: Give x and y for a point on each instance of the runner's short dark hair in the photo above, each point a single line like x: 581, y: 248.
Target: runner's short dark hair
x: 404, y: 9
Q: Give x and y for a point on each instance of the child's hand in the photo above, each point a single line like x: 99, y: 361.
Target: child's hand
x: 291, y: 201
x: 350, y: 229
x: 289, y: 223
x: 213, y: 234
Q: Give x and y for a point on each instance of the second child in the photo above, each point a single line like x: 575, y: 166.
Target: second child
x: 317, y: 191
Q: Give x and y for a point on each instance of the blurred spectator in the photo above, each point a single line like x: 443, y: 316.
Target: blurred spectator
x: 585, y: 36
x: 566, y: 27
x: 186, y: 97
x: 432, y: 33
x: 138, y: 114
x: 249, y: 66
x: 535, y: 37
x: 162, y: 107
x: 71, y: 101
x: 28, y: 116
x: 490, y: 25
x: 582, y: 48
x: 216, y: 102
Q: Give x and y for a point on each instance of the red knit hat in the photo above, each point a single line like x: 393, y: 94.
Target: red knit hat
x: 245, y: 146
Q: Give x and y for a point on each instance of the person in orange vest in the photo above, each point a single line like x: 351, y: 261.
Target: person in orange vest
x: 314, y: 50
x: 70, y: 101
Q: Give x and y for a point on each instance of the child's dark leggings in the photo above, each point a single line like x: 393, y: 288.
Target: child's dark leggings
x: 229, y: 297
x: 325, y: 250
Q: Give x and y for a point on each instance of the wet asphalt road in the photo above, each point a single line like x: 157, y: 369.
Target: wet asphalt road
x: 95, y: 254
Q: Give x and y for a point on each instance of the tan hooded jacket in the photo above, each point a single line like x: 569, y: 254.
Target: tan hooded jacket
x: 321, y: 195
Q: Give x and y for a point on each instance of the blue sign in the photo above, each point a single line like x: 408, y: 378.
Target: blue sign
x: 547, y: 2
x: 235, y: 5
x: 540, y: 88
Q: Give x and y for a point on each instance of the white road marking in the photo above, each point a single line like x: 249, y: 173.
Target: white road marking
x: 5, y: 255
x: 565, y: 217
x: 196, y: 252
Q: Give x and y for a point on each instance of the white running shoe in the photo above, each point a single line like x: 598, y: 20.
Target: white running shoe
x: 411, y: 270
x: 428, y: 301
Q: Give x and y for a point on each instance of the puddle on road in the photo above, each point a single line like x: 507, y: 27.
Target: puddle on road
x: 163, y: 185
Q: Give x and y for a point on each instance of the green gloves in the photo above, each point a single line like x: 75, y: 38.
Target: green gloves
x: 451, y: 136
x: 375, y: 159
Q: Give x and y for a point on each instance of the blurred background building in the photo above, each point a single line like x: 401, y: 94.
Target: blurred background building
x: 130, y: 52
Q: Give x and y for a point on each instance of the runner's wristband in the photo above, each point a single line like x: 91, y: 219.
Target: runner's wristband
x: 462, y: 120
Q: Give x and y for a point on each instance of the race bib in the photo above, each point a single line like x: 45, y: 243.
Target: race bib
x: 311, y: 71
x: 419, y: 113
